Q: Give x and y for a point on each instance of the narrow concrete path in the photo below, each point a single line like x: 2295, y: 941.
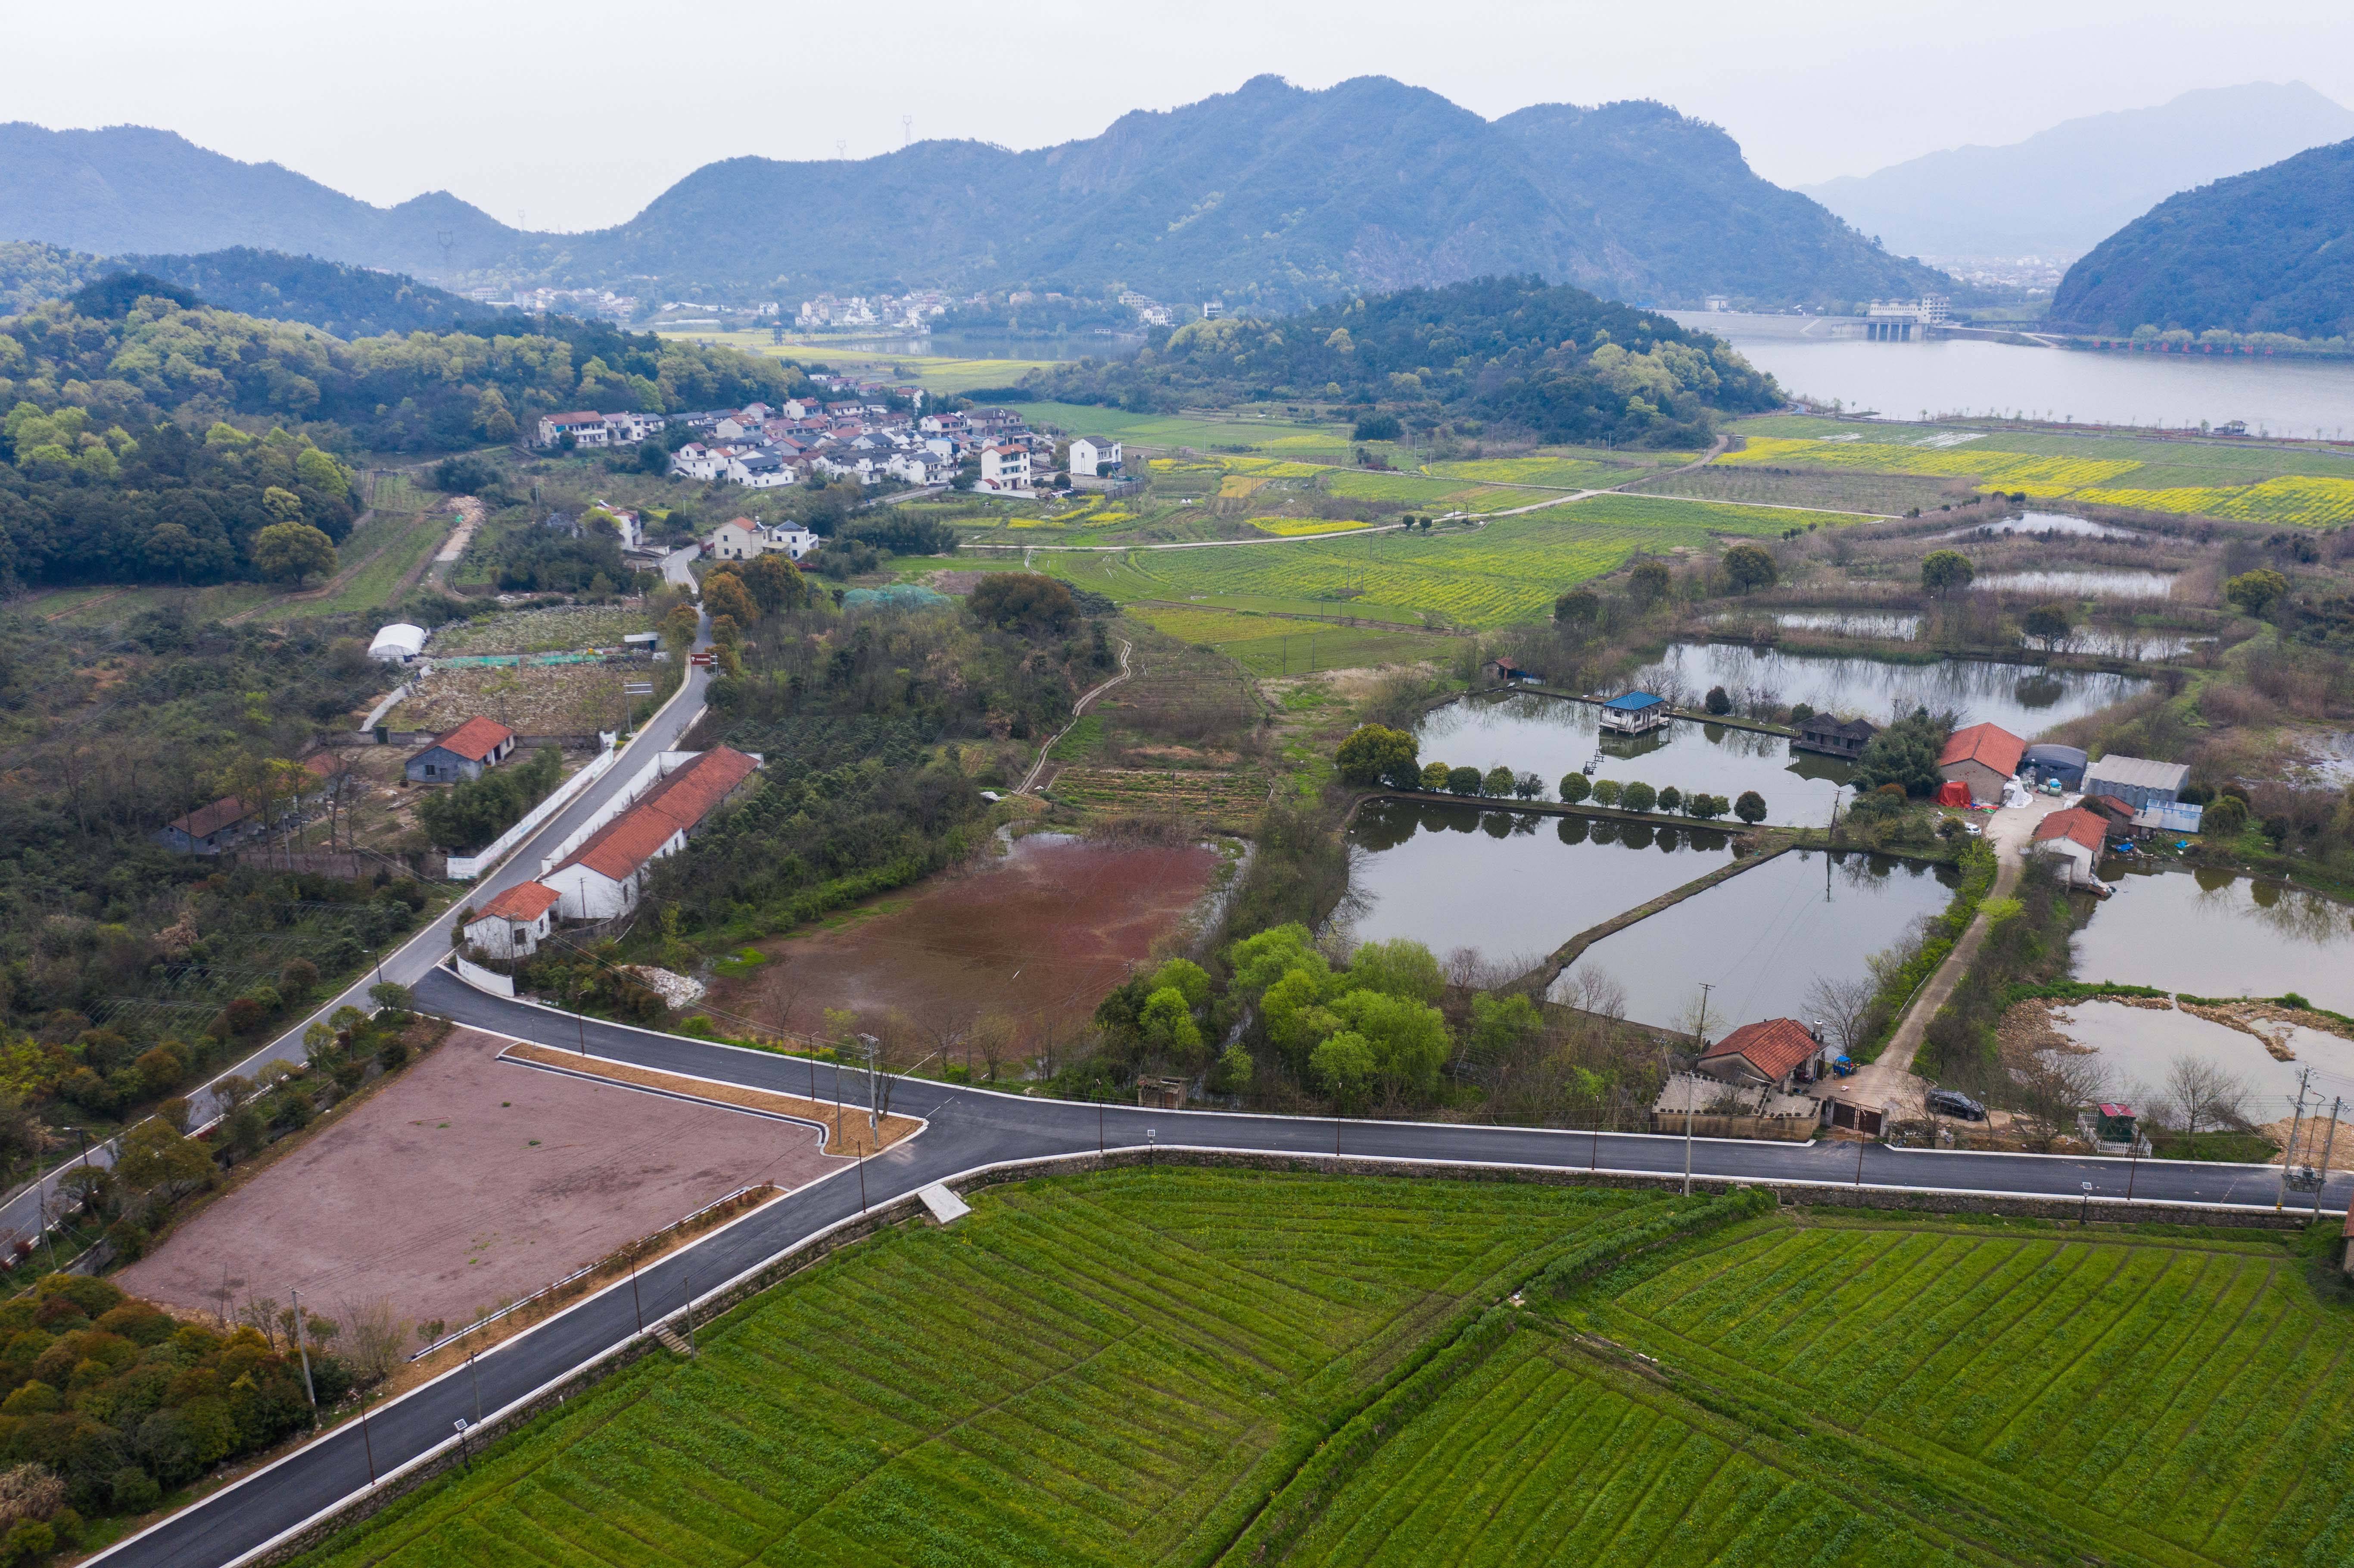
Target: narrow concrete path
x: 1078, y: 711
x: 1891, y: 1079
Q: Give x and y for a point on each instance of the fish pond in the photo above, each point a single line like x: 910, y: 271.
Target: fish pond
x: 1510, y: 885
x: 1761, y: 939
x: 2211, y: 933
x: 2075, y: 583
x: 1551, y: 737
x: 2022, y: 698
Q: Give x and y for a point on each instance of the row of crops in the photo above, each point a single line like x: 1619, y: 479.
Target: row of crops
x: 1119, y: 792
x: 1102, y: 1370
x: 2313, y: 500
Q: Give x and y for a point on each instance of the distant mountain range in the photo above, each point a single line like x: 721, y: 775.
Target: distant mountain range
x: 347, y: 301
x: 2061, y: 190
x: 1271, y: 195
x: 2268, y: 251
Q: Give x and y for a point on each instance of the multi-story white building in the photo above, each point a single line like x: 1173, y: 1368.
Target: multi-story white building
x: 1005, y: 470
x: 1091, y: 457
x: 587, y: 429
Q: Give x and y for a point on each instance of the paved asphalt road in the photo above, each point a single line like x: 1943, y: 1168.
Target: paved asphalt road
x: 970, y: 1127
x: 410, y: 962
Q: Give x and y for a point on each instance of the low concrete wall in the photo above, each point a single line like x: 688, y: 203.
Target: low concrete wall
x: 465, y: 868
x: 1772, y: 1129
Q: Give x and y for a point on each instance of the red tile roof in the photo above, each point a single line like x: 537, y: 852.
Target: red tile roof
x: 523, y: 901
x: 1772, y: 1046
x: 675, y: 805
x: 1984, y: 743
x: 475, y: 739
x: 2121, y: 811
x: 207, y: 820
x: 326, y: 764
x: 2076, y: 824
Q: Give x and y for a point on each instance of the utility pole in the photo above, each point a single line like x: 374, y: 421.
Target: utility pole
x: 304, y: 1349
x: 2326, y: 1145
x: 2288, y: 1156
x: 687, y: 1291
x: 1699, y: 1038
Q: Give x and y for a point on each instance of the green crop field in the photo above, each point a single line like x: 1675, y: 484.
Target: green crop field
x: 1099, y: 1369
x: 1884, y: 494
x: 1267, y: 645
x: 1558, y: 472
x: 1505, y: 573
x: 1184, y: 1365
x: 1243, y: 433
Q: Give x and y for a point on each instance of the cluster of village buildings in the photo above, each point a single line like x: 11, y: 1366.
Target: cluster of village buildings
x: 873, y: 434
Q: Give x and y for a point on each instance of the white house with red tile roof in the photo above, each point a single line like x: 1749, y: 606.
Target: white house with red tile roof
x: 515, y: 923
x: 1983, y: 757
x: 605, y: 875
x: 463, y: 753
x: 2075, y: 838
x: 1770, y: 1053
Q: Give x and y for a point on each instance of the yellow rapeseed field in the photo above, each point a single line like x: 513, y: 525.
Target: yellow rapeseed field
x: 1296, y: 527
x: 1995, y: 470
x: 2313, y: 500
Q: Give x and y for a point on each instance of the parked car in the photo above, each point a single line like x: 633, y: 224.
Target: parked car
x: 1953, y: 1102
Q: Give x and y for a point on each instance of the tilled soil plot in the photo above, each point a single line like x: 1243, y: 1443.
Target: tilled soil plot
x: 531, y: 699
x: 466, y: 1182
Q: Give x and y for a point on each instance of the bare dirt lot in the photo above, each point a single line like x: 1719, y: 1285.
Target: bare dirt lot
x: 534, y: 699
x: 1035, y: 937
x: 465, y: 1183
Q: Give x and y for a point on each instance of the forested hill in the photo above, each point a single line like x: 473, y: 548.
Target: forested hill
x: 348, y: 301
x: 148, y: 441
x: 2267, y: 251
x: 1270, y: 195
x: 1515, y: 354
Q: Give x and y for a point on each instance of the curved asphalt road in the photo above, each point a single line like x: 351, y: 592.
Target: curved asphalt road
x: 970, y: 1128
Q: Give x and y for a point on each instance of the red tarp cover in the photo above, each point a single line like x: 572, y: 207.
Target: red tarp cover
x: 1953, y: 792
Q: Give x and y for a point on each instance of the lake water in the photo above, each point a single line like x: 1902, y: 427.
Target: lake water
x: 1958, y: 376
x: 2023, y: 699
x: 1761, y: 939
x: 2086, y: 584
x: 2046, y: 523
x: 1509, y: 885
x: 1551, y: 737
x: 2214, y: 934
x: 2138, y: 1046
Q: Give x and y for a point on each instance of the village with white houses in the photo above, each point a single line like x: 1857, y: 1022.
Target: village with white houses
x: 875, y: 434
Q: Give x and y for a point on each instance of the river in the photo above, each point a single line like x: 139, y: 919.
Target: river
x: 1963, y: 377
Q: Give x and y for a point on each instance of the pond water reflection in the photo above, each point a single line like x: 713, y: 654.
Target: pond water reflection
x: 2022, y: 698
x: 2214, y: 934
x: 1552, y: 736
x: 2045, y: 522
x: 1761, y: 939
x: 2085, y: 583
x: 1509, y: 885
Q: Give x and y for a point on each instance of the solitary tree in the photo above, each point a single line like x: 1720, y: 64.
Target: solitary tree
x: 1750, y: 808
x: 1749, y: 566
x: 1719, y: 701
x: 1672, y: 799
x: 1463, y: 780
x: 2252, y: 593
x: 1945, y: 571
x: 1496, y: 783
x: 1576, y: 607
x: 1638, y: 797
x: 1647, y: 582
x: 1375, y: 753
x: 1606, y: 791
x: 1575, y: 787
x: 1527, y: 785
x: 2048, y: 624
x: 1435, y: 776
x: 289, y: 552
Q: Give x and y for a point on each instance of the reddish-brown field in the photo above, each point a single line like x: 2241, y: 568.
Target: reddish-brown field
x: 1036, y: 937
x: 465, y: 1181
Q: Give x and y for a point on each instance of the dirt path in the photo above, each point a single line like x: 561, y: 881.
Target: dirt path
x: 1890, y: 1078
x: 1079, y: 710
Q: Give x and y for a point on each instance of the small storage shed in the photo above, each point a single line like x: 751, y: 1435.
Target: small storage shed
x: 1983, y: 757
x: 2136, y: 780
x: 2046, y: 762
x: 397, y: 643
x: 463, y: 753
x: 1634, y: 713
x: 2074, y: 836
x: 1835, y: 736
x: 514, y: 922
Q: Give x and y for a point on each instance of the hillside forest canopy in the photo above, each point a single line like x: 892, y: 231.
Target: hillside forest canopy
x: 147, y: 440
x: 1516, y: 355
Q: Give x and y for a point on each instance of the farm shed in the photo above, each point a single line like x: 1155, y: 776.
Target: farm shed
x: 2046, y: 761
x: 1983, y: 757
x: 604, y: 877
x: 208, y: 830
x: 513, y: 923
x: 2074, y: 836
x: 1777, y: 1053
x: 463, y: 753
x: 2136, y: 780
x: 1835, y: 736
x: 1634, y: 713
x: 397, y: 643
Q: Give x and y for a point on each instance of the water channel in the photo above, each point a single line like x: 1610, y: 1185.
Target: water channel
x: 1962, y: 376
x: 2023, y: 698
x: 1761, y: 939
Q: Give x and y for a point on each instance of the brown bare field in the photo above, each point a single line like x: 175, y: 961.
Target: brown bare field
x: 466, y: 1182
x: 533, y: 699
x: 1035, y: 937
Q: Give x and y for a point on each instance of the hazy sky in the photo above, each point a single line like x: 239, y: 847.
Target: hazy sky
x: 578, y: 115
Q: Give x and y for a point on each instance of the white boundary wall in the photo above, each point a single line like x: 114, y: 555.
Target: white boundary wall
x: 466, y: 867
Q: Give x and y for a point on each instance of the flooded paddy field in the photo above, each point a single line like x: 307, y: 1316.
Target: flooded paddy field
x: 1761, y: 939
x: 1551, y: 737
x: 1035, y: 937
x: 1510, y: 885
x: 2023, y: 698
